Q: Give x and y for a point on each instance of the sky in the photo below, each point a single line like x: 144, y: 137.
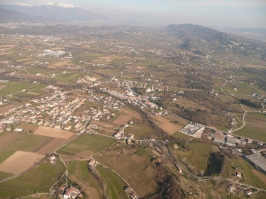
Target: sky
x: 220, y: 13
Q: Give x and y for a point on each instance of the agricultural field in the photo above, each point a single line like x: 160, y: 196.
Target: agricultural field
x: 249, y: 176
x: 115, y: 185
x: 139, y: 129
x: 197, y: 156
x: 87, y: 143
x: 29, y: 128
x: 141, y: 175
x: 16, y: 163
x: 255, y: 127
x: 52, y: 132
x: 39, y: 179
x: 78, y: 172
x: 14, y: 87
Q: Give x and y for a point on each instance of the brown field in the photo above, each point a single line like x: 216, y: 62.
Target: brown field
x: 52, y: 132
x: 170, y: 127
x: 7, y: 107
x: 215, y: 148
x: 260, y: 175
x: 2, y: 86
x: 51, y: 146
x: 186, y: 103
x: 122, y: 119
x: 8, y: 138
x: 19, y: 161
x: 159, y: 120
x: 132, y: 113
x: 108, y: 128
x: 58, y: 64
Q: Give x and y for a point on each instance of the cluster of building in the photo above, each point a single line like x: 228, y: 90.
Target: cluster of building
x: 236, y: 189
x: 131, y: 192
x: 257, y: 159
x: 49, y: 52
x: 68, y: 192
x: 228, y: 139
x: 194, y: 130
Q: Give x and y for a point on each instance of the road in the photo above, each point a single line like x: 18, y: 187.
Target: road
x: 244, y: 122
x: 223, y: 85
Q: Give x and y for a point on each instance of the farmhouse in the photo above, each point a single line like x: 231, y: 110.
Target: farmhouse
x: 68, y: 193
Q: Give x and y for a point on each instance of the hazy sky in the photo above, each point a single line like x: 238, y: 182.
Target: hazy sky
x: 231, y: 13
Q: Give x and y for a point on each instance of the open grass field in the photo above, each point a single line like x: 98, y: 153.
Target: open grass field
x: 4, y: 154
x: 141, y: 175
x: 4, y: 175
x: 78, y: 172
x: 52, y: 132
x: 187, y: 103
x: 86, y: 142
x: 19, y: 161
x: 21, y: 141
x: 139, y: 130
x: 197, y: 156
x: 248, y: 176
x: 115, y: 185
x: 39, y: 179
x: 260, y: 175
x: 12, y: 87
x: 255, y: 127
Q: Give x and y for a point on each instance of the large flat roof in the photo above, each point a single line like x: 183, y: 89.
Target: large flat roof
x: 257, y: 159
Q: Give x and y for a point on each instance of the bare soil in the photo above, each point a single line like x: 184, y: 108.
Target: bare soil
x: 260, y: 175
x: 2, y: 87
x: 52, y: 132
x: 123, y: 119
x: 51, y: 146
x: 8, y: 138
x: 7, y: 107
x: 170, y: 127
x: 19, y: 161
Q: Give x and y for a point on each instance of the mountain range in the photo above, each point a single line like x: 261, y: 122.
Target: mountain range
x: 50, y: 12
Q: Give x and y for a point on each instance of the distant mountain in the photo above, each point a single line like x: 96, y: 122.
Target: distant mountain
x: 7, y: 16
x: 202, y: 41
x: 55, y: 11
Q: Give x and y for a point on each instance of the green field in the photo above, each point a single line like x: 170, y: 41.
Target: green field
x: 40, y: 88
x: 86, y: 142
x: 197, y: 156
x: 139, y: 130
x: 4, y: 154
x: 134, y: 166
x: 39, y: 179
x: 25, y: 143
x: 115, y: 185
x: 4, y: 175
x: 12, y: 87
x: 248, y: 176
x: 78, y: 172
x: 255, y: 127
